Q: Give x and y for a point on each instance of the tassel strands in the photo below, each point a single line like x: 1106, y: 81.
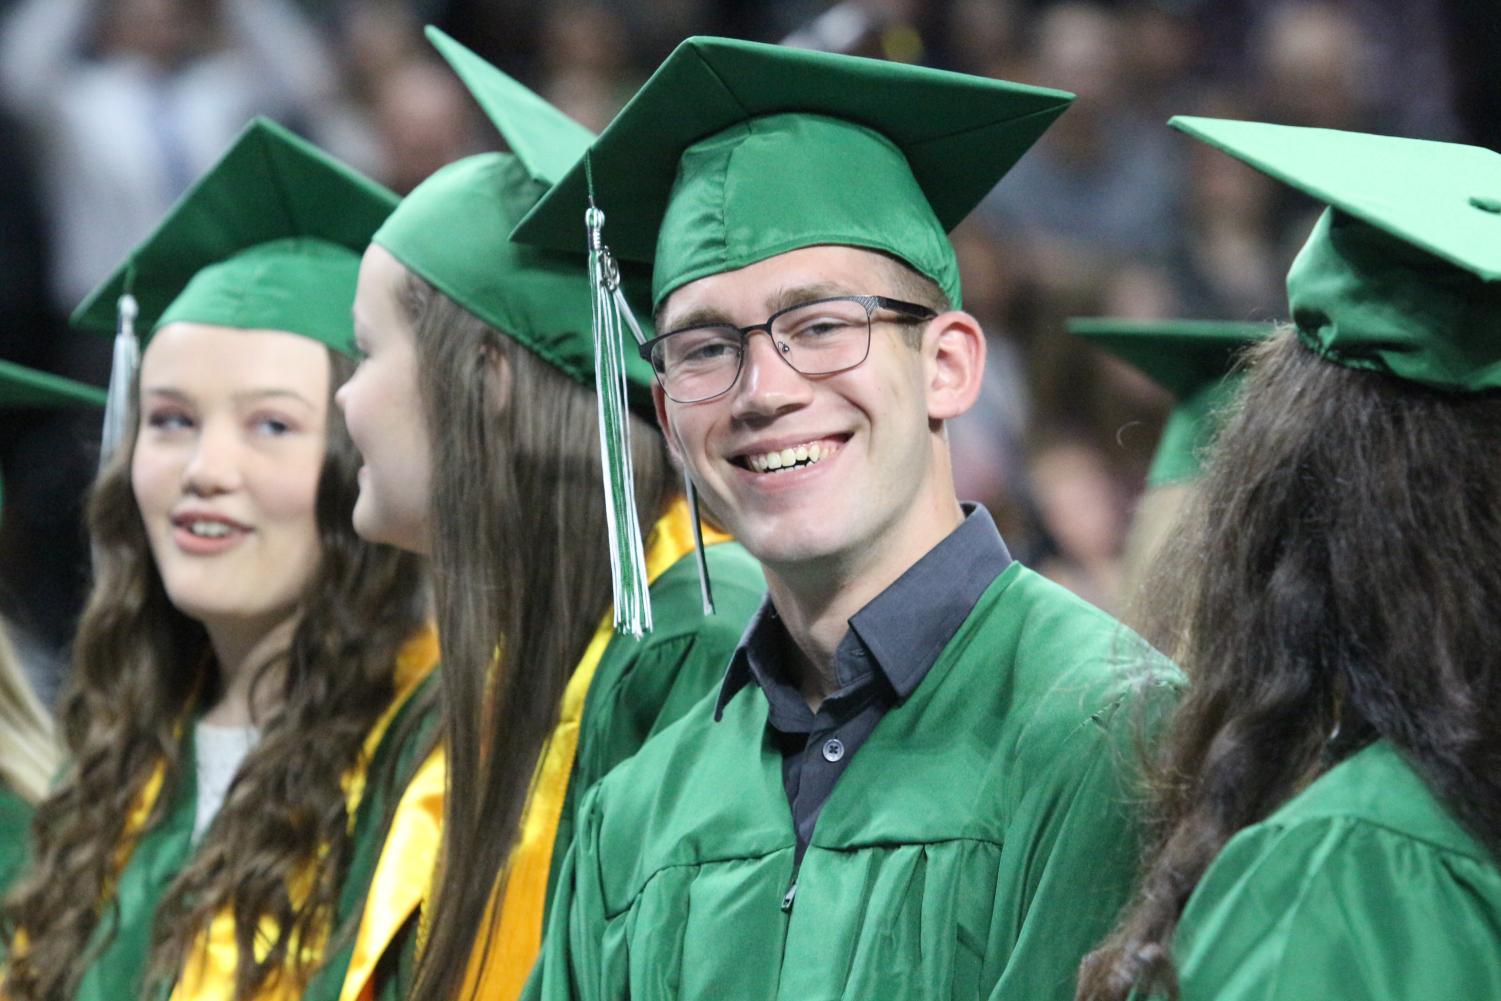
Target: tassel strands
x: 611, y: 315
x: 127, y: 358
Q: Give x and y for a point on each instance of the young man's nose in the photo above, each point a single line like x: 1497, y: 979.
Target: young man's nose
x: 768, y: 383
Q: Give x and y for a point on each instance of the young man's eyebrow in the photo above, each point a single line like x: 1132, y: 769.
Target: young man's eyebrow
x: 799, y: 294
x: 703, y: 316
x: 785, y: 298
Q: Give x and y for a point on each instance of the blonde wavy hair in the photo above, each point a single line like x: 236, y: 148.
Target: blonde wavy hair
x: 29, y: 754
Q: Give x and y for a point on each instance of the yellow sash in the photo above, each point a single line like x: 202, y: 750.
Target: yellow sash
x: 210, y: 970
x: 403, y: 873
x: 517, y: 938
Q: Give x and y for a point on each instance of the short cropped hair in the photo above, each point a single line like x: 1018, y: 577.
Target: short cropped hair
x: 907, y: 283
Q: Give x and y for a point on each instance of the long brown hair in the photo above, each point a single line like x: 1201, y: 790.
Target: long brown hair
x: 521, y: 580
x: 137, y: 664
x: 1336, y: 583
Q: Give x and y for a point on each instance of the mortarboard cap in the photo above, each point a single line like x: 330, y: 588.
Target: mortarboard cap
x: 27, y: 387
x: 1402, y: 273
x: 1196, y: 361
x: 269, y: 239
x: 454, y: 229
x: 737, y: 151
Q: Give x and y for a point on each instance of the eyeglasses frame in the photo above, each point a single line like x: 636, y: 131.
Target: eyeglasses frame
x: 915, y: 313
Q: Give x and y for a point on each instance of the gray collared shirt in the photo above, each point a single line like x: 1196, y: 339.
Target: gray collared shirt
x: 891, y: 644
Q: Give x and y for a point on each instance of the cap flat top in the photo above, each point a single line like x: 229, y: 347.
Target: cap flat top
x: 1399, y: 275
x: 958, y: 133
x: 453, y: 229
x: 1182, y: 356
x: 544, y: 139
x: 1196, y: 361
x: 1443, y: 198
x: 269, y: 186
x: 28, y: 387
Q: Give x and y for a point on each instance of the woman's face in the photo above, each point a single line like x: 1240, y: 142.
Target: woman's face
x: 226, y: 467
x: 383, y: 411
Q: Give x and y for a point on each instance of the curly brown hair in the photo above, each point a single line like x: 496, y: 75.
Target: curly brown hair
x: 1335, y: 583
x: 136, y: 666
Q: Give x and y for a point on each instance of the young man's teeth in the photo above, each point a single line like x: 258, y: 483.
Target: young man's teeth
x: 209, y: 529
x: 788, y: 457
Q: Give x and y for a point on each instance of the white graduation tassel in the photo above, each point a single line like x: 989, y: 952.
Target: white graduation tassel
x: 623, y: 312
x: 705, y: 590
x: 610, y: 314
x: 127, y: 358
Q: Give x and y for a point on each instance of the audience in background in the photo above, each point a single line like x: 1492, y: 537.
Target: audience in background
x: 120, y: 103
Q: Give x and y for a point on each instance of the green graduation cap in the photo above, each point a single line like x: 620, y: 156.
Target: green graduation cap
x: 1402, y: 273
x: 27, y: 387
x: 1196, y: 361
x: 737, y: 151
x: 269, y: 239
x: 454, y: 229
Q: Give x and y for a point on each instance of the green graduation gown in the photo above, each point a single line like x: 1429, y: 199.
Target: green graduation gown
x: 15, y: 825
x: 644, y: 685
x: 124, y: 931
x: 122, y: 937
x: 639, y: 687
x: 1363, y: 888
x: 977, y: 846
x: 396, y: 761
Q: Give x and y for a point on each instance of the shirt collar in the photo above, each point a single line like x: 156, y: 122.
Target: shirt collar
x: 756, y: 644
x: 906, y: 626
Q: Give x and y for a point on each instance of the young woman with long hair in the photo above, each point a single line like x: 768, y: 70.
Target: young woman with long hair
x: 475, y: 410
x: 1328, y: 797
x: 28, y: 747
x: 249, y: 676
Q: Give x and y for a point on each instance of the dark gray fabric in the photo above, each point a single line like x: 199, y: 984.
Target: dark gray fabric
x: 892, y: 643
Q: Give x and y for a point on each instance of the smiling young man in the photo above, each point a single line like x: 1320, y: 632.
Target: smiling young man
x: 910, y: 784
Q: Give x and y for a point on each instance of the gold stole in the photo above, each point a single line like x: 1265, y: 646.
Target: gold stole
x: 210, y: 969
x: 509, y: 947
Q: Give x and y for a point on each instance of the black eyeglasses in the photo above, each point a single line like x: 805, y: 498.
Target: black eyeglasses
x: 815, y: 338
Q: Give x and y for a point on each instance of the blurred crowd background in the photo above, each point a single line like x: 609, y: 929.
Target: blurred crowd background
x: 109, y: 109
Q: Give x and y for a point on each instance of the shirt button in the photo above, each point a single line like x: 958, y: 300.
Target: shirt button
x: 833, y: 749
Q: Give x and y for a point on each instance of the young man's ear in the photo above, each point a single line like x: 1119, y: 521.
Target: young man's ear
x: 659, y: 401
x: 954, y: 360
